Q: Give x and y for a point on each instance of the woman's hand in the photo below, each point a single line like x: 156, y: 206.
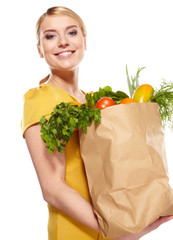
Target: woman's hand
x: 146, y: 230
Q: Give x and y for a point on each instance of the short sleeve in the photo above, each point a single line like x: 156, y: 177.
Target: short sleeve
x: 38, y: 102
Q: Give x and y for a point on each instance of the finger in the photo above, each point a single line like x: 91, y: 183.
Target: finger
x: 159, y: 222
x: 166, y: 218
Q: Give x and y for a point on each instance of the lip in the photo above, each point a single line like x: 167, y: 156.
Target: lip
x: 62, y: 53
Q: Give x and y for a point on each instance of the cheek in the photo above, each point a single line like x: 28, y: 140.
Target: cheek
x: 81, y: 47
x: 79, y: 42
x: 47, y: 48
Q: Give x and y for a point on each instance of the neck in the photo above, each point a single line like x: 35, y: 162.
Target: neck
x: 66, y: 80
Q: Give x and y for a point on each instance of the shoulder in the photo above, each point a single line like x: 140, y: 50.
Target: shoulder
x: 36, y: 92
x: 37, y: 96
x: 41, y: 97
x: 40, y: 101
x: 46, y: 92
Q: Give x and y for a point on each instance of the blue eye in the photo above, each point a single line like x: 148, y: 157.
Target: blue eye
x: 72, y: 33
x: 50, y: 36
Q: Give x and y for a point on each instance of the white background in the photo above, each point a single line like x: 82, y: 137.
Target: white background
x: 137, y: 33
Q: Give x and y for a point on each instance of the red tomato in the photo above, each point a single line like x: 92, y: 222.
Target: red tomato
x: 105, y: 102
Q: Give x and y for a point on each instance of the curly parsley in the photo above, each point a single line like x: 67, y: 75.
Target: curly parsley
x: 59, y: 128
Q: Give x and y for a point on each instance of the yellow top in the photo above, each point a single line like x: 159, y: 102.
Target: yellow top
x: 38, y: 102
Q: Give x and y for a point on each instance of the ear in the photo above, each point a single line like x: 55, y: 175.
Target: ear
x: 40, y: 51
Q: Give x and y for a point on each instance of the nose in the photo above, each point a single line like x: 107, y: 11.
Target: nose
x: 63, y: 41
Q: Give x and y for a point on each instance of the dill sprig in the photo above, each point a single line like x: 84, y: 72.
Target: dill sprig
x: 164, y: 97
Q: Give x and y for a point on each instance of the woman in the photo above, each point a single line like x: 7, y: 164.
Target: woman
x: 62, y: 42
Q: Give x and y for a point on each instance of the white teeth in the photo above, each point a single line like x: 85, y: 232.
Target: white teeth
x: 65, y: 53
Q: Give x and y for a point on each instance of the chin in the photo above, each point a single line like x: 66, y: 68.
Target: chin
x: 67, y: 67
x: 65, y: 64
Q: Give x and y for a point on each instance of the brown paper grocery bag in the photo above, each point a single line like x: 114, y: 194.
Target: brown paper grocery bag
x: 126, y: 167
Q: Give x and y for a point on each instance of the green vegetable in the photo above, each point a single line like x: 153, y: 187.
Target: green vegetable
x: 133, y: 83
x: 65, y: 118
x: 92, y: 98
x: 164, y: 98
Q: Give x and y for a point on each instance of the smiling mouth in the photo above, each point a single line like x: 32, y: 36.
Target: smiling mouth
x: 65, y: 53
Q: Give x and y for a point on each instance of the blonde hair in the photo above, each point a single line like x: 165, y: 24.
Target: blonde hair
x: 58, y: 11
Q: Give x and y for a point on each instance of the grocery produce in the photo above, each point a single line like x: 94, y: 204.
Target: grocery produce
x: 133, y: 82
x: 75, y: 103
x: 128, y: 100
x: 93, y: 97
x: 143, y: 93
x: 58, y: 127
x: 105, y: 102
x: 62, y: 123
x: 164, y: 97
x: 78, y: 104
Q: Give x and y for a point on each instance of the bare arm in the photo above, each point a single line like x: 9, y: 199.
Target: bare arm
x: 50, y: 169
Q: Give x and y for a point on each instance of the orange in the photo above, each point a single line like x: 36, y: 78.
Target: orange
x: 128, y: 100
x: 74, y: 103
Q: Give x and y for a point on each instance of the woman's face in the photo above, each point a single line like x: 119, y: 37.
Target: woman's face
x: 62, y: 43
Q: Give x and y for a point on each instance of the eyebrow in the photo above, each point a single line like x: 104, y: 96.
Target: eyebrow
x: 53, y: 30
